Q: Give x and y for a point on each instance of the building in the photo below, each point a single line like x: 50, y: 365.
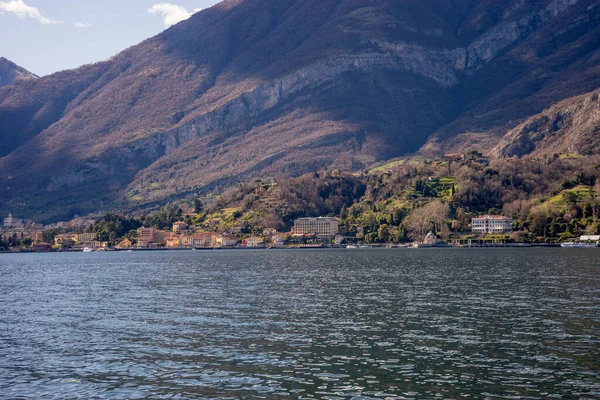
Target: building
x: 590, y: 238
x: 96, y: 244
x: 152, y: 236
x: 85, y: 237
x: 66, y: 239
x: 9, y: 222
x: 146, y: 235
x: 179, y: 226
x: 41, y: 247
x: 316, y: 226
x: 278, y: 241
x: 255, y: 241
x: 202, y: 240
x: 223, y: 241
x: 186, y: 241
x: 431, y: 240
x: 491, y: 224
x: 125, y: 244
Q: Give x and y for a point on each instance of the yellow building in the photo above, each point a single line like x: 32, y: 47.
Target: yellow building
x: 125, y: 244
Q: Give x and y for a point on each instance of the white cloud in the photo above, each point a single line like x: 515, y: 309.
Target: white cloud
x: 81, y: 25
x: 22, y: 10
x: 171, y: 13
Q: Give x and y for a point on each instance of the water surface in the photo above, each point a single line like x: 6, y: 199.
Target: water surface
x: 347, y: 324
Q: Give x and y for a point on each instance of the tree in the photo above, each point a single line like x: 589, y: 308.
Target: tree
x: 570, y: 198
x: 424, y: 219
x: 49, y: 234
x: 383, y: 233
x: 587, y: 210
x: 344, y: 214
x: 198, y: 206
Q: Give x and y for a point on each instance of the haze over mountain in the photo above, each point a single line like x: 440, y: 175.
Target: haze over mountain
x: 255, y: 88
x: 10, y: 72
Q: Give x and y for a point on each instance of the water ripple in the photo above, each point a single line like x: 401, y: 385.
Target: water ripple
x: 393, y: 324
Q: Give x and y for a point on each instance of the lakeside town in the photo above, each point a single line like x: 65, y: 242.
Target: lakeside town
x: 312, y: 232
x: 457, y: 201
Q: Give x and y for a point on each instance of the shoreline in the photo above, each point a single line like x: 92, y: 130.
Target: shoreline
x: 381, y: 247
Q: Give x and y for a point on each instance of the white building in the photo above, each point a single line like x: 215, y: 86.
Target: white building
x: 278, y: 241
x: 491, y: 224
x: 225, y: 241
x: 9, y: 222
x: 316, y: 226
x: 255, y: 241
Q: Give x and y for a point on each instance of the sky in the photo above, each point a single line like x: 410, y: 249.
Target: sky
x: 46, y: 36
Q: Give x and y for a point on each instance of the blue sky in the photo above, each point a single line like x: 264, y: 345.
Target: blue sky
x: 45, y: 36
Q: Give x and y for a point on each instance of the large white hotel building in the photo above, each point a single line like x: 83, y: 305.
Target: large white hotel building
x: 316, y: 226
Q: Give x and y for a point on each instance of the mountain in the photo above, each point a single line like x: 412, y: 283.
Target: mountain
x: 253, y: 88
x: 10, y: 72
x: 571, y: 126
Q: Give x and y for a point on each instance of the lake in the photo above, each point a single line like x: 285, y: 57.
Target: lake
x: 327, y: 324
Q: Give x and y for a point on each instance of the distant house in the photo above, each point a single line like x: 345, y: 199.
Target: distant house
x: 278, y: 241
x: 224, y: 241
x: 255, y: 241
x: 489, y: 224
x: 66, y: 239
x: 187, y: 241
x: 431, y: 239
x: 9, y: 222
x: 202, y: 240
x: 96, y: 244
x: 42, y: 247
x: 125, y: 244
x: 85, y: 237
x: 236, y: 230
x: 179, y: 226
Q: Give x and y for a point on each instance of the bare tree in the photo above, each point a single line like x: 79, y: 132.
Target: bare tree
x: 432, y: 216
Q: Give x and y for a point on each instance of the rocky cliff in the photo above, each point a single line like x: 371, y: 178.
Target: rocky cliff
x: 569, y: 127
x: 252, y: 88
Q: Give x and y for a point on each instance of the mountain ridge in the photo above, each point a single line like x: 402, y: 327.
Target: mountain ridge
x: 10, y: 72
x: 283, y: 87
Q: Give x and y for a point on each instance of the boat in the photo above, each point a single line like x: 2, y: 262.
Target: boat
x: 578, y: 245
x: 88, y: 250
x: 365, y: 246
x: 352, y: 246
